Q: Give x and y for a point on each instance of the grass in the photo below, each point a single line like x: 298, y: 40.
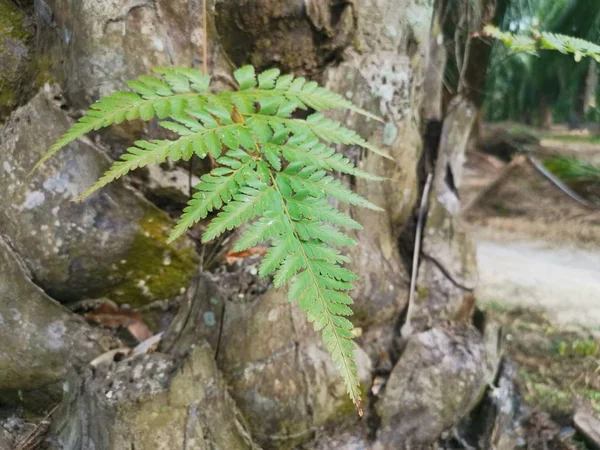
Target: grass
x: 517, y: 130
x: 573, y: 169
x: 575, y: 138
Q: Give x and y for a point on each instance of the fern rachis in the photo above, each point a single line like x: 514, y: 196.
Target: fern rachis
x: 272, y: 170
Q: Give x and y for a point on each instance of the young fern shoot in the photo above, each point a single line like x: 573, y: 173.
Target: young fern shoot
x: 272, y: 170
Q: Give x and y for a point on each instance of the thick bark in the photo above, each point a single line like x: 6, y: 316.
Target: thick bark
x: 150, y: 402
x: 39, y: 339
x: 111, y: 244
x: 579, y: 103
x: 478, y: 51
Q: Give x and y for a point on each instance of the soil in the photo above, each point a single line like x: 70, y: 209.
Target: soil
x: 563, y: 281
x: 536, y: 247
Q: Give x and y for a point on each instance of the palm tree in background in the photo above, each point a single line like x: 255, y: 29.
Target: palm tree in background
x: 539, y: 88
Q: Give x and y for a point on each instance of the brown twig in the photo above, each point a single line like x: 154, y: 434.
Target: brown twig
x: 31, y: 440
x: 407, y: 327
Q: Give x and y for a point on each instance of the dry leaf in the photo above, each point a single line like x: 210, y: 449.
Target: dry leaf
x: 110, y: 316
x: 232, y: 257
x: 139, y: 331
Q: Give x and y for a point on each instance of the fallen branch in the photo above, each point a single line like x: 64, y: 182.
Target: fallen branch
x: 559, y: 184
x: 510, y: 167
x: 33, y: 439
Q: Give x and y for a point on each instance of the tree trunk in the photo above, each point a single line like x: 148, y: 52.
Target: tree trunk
x: 546, y: 107
x: 283, y: 391
x: 580, y: 101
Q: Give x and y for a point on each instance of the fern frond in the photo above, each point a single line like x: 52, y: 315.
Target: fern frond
x: 271, y: 168
x: 320, y: 209
x: 321, y: 307
x: 315, y: 125
x: 143, y: 154
x: 252, y: 200
x: 279, y: 250
x: 314, y: 250
x: 265, y: 228
x: 308, y: 289
x: 332, y: 131
x: 200, y: 142
x: 308, y: 230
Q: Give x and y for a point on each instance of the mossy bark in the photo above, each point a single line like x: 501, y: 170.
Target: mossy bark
x: 14, y: 56
x: 40, y: 340
x: 150, y: 402
x: 112, y: 244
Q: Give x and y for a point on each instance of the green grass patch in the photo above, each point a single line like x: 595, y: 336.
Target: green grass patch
x: 576, y: 138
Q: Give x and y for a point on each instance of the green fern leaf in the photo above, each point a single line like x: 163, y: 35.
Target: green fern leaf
x: 263, y: 229
x: 332, y: 131
x: 297, y: 89
x: 309, y: 289
x: 143, y: 154
x: 308, y: 230
x: 155, y: 152
x: 152, y: 97
x: 315, y: 125
x: 320, y: 209
x: 267, y: 79
x: 319, y: 184
x: 288, y: 268
x: 317, y: 302
x: 251, y: 201
x: 277, y: 254
x: 580, y: 48
x: 246, y: 77
x: 310, y: 151
x: 314, y: 250
x: 215, y: 190
x: 272, y: 172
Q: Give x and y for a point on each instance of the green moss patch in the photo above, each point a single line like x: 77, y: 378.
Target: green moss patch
x: 152, y: 269
x: 12, y: 22
x: 13, y: 55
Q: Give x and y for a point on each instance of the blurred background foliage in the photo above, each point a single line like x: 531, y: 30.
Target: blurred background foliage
x: 547, y: 87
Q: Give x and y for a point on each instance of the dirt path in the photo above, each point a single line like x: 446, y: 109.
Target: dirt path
x: 563, y: 281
